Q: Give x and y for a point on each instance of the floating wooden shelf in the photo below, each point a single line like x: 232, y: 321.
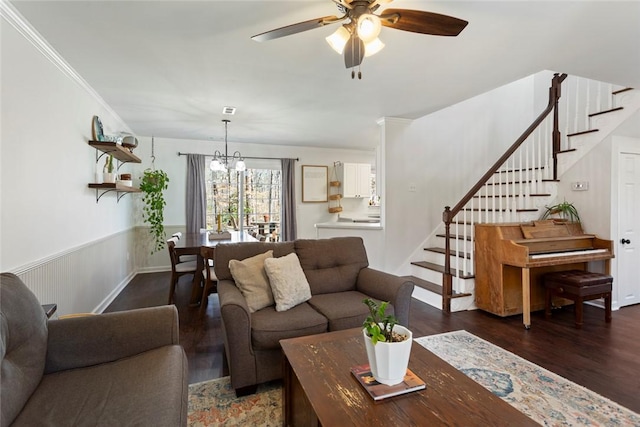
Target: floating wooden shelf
x: 117, y: 151
x: 123, y: 155
x: 122, y: 190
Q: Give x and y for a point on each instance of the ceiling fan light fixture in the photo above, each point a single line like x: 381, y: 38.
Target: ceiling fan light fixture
x: 373, y: 47
x: 368, y: 27
x: 339, y: 39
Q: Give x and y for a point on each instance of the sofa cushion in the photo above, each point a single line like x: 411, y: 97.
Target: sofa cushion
x: 288, y: 282
x: 23, y: 345
x: 332, y: 265
x: 344, y: 310
x: 138, y: 390
x: 251, y: 278
x: 269, y: 326
x: 225, y: 252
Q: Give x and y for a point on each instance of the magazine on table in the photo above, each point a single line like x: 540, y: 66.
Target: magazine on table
x: 380, y: 391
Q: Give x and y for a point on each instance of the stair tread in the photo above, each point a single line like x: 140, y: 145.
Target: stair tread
x: 611, y: 110
x: 454, y: 236
x: 583, y: 132
x: 566, y: 151
x: 615, y: 92
x: 433, y: 287
x: 440, y: 269
x: 442, y: 250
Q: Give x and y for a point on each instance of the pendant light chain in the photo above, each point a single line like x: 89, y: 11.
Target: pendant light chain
x: 153, y: 156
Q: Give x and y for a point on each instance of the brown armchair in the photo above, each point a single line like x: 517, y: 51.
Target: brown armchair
x: 124, y: 368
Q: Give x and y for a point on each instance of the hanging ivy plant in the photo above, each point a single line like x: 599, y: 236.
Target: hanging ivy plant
x: 152, y: 184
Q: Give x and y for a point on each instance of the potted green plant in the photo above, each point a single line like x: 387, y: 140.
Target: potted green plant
x: 108, y: 174
x: 564, y: 210
x: 152, y: 184
x: 388, y: 344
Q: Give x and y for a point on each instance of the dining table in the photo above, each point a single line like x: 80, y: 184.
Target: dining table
x: 191, y: 244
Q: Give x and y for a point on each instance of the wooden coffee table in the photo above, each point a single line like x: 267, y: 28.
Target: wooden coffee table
x: 320, y: 390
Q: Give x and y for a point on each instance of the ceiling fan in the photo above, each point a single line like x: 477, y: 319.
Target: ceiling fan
x: 357, y: 37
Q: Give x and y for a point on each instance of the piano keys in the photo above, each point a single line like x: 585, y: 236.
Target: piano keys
x: 510, y: 259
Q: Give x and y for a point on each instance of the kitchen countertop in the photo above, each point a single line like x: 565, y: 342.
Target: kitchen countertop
x: 350, y: 225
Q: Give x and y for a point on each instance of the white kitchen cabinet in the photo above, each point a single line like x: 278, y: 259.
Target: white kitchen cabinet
x: 356, y: 180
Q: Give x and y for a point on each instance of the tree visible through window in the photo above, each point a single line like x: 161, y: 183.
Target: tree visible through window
x: 262, y: 201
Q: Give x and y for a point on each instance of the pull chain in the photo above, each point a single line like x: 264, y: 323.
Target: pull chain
x: 153, y: 156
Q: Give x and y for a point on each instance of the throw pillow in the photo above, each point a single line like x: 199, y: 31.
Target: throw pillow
x: 251, y: 278
x: 288, y: 282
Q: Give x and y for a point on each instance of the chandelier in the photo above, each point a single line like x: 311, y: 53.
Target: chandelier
x: 222, y: 163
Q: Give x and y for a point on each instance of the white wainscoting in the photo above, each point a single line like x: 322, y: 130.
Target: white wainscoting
x: 85, y: 278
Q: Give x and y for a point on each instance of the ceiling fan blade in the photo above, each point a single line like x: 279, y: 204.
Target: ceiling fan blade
x: 353, y: 52
x: 297, y: 28
x: 418, y: 21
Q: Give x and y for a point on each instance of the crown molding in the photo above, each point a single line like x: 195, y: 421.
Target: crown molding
x: 24, y: 28
x: 399, y: 120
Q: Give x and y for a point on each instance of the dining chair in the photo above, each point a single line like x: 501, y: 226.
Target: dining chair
x: 178, y: 267
x: 210, y: 281
x: 184, y: 258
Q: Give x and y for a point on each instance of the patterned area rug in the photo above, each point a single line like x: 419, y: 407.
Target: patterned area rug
x: 214, y: 403
x: 544, y: 396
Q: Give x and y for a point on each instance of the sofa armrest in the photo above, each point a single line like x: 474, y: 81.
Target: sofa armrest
x: 85, y: 341
x: 387, y: 287
x: 236, y: 323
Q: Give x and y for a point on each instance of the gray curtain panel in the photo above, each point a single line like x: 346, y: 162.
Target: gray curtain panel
x: 196, y: 193
x: 288, y: 223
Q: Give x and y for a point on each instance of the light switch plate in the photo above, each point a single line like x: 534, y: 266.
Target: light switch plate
x: 580, y: 186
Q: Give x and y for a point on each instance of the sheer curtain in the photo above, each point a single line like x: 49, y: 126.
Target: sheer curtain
x: 196, y: 193
x: 288, y: 225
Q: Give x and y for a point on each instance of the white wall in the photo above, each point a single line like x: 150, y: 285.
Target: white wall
x: 46, y: 164
x: 442, y: 155
x: 593, y: 204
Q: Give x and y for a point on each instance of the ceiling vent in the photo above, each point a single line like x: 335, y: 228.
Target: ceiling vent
x: 229, y: 111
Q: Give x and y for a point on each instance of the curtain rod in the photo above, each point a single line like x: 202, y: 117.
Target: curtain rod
x: 297, y: 159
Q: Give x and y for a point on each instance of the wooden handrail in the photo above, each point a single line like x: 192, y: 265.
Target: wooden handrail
x: 449, y: 214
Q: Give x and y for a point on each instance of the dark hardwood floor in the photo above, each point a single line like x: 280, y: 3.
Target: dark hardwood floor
x: 602, y: 357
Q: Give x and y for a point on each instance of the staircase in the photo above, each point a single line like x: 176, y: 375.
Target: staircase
x: 520, y: 184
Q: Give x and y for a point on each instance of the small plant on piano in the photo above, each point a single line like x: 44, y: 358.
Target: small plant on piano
x: 564, y: 210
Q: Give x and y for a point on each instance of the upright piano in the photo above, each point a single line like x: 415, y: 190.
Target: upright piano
x: 510, y: 259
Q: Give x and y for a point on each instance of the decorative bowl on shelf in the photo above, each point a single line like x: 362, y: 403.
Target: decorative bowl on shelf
x: 126, y: 182
x: 130, y: 142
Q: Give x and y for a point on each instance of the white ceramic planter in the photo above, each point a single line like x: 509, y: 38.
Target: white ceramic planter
x: 389, y: 361
x: 109, y: 177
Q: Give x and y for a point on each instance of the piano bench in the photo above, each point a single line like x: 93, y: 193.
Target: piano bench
x: 578, y: 286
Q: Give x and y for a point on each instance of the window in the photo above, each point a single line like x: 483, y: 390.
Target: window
x: 262, y: 200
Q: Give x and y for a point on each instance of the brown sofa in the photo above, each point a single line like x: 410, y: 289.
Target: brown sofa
x: 124, y: 368
x: 339, y: 277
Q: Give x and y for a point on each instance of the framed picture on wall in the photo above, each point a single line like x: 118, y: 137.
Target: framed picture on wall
x: 315, y: 185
